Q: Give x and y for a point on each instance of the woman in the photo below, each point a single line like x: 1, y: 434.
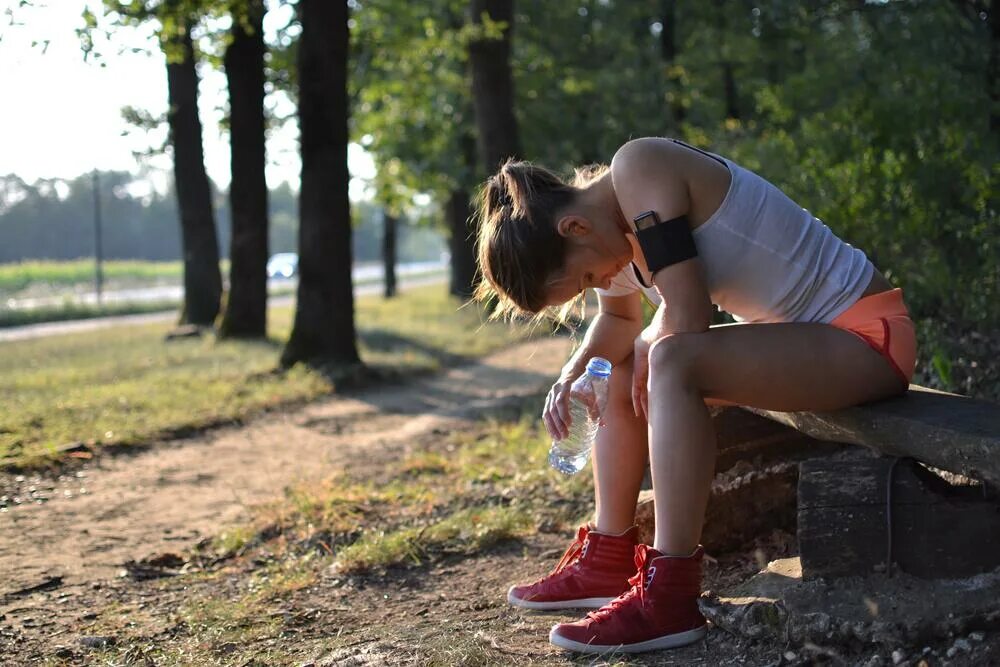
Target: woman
x: 820, y: 329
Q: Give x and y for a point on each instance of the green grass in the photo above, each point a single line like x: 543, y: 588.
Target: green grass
x: 467, y: 531
x: 76, y: 311
x: 126, y: 385
x: 18, y: 276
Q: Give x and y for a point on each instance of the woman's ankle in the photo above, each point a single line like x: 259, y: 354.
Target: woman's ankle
x: 611, y: 528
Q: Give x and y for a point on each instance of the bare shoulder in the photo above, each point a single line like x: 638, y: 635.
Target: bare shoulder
x: 645, y: 176
x: 643, y: 152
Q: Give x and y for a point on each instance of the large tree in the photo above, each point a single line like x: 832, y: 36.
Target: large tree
x: 492, y: 82
x: 174, y: 21
x: 202, y: 279
x: 246, y: 305
x: 324, y: 330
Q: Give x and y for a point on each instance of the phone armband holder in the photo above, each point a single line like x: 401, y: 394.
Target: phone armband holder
x: 664, y: 243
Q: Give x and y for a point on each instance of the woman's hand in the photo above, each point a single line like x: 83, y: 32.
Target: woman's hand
x: 556, y: 413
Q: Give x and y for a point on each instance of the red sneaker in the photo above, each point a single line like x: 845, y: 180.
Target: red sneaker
x: 593, y: 572
x: 659, y: 611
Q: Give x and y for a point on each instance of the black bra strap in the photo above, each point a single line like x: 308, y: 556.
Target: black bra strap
x: 705, y: 153
x: 638, y: 276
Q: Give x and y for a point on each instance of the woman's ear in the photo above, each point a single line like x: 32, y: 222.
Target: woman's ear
x: 573, y: 225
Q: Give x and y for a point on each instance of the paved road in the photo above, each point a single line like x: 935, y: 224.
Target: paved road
x: 73, y: 326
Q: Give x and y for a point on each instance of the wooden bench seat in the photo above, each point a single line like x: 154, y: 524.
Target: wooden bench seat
x: 948, y: 431
x: 796, y: 471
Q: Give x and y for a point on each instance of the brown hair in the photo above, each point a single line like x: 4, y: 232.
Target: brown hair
x: 519, y: 247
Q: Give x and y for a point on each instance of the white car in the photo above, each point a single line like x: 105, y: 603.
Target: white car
x: 283, y: 265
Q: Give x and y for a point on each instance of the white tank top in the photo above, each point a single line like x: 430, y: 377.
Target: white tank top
x: 767, y: 259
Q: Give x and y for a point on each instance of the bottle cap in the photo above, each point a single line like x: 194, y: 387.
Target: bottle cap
x: 599, y: 366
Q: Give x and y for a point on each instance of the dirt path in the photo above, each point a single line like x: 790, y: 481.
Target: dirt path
x: 170, y: 496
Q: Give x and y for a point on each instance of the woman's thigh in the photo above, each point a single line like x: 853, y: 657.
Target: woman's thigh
x: 786, y: 367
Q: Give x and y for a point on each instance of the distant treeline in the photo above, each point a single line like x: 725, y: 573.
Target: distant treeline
x: 54, y: 219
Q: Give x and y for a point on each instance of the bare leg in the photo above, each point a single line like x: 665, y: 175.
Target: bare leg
x: 774, y: 366
x: 619, y: 456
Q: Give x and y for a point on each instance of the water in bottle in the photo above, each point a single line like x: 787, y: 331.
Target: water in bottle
x: 570, y: 454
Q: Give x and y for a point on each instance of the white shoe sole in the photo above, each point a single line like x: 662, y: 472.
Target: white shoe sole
x: 583, y: 603
x: 666, y: 641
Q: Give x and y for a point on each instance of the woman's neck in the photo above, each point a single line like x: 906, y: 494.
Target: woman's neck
x: 599, y: 196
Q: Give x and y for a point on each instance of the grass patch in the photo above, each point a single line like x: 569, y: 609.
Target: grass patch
x: 78, y: 311
x: 466, y: 531
x: 125, y: 385
x: 18, y: 276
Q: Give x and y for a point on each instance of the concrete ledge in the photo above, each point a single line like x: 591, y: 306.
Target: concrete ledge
x: 890, y: 611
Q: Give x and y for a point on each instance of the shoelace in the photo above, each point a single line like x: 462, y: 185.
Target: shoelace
x: 573, y: 552
x: 638, y: 589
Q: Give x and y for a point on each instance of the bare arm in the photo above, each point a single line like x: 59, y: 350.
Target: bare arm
x: 611, y: 335
x: 645, y: 179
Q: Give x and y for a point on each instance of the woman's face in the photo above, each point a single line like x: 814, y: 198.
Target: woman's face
x: 594, y: 256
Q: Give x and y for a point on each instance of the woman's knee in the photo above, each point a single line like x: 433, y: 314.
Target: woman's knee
x: 675, y: 359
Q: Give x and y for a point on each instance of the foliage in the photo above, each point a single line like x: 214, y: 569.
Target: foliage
x: 876, y: 116
x: 885, y: 135
x: 413, y: 107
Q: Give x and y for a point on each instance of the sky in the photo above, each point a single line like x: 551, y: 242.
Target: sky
x: 61, y: 116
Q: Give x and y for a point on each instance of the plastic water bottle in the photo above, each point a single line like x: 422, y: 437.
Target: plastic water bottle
x: 570, y: 454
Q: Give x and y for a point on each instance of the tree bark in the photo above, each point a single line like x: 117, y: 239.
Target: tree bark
x: 324, y: 330
x: 493, y: 86
x: 729, y: 90
x: 389, y: 228
x: 246, y: 306
x: 202, y: 279
x: 460, y: 244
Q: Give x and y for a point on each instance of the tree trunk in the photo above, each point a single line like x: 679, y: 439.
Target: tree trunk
x: 993, y: 69
x: 246, y: 306
x: 668, y: 51
x: 493, y: 87
x: 729, y: 91
x: 324, y: 329
x: 389, y: 227
x: 202, y: 279
x: 460, y: 244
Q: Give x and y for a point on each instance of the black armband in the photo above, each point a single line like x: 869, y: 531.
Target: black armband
x: 664, y: 243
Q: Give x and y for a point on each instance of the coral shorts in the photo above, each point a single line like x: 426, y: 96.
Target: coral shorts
x: 882, y: 321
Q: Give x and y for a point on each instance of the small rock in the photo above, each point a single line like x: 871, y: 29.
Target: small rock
x: 64, y: 652
x: 951, y: 652
x: 977, y: 636
x: 874, y: 661
x: 97, y: 642
x: 898, y: 656
x: 963, y: 645
x: 790, y: 656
